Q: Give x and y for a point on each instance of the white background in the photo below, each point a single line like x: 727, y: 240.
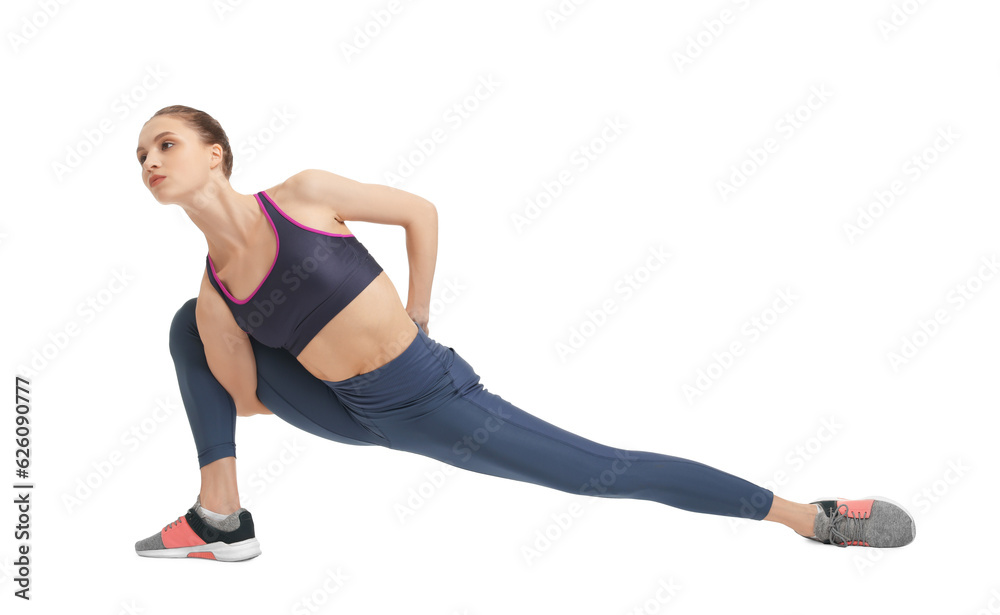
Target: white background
x: 921, y: 433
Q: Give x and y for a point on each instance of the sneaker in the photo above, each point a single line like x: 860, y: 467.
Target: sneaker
x: 191, y: 536
x: 869, y: 522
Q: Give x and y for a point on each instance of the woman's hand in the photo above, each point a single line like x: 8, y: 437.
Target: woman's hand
x: 419, y: 315
x: 250, y: 408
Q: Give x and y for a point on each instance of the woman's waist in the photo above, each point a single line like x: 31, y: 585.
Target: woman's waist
x: 370, y: 331
x: 421, y: 366
x: 340, y: 355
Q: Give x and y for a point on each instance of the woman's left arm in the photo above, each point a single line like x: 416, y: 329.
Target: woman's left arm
x: 421, y: 250
x: 348, y: 199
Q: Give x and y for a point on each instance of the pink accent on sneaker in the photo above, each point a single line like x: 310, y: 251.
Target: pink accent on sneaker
x: 179, y: 534
x: 857, y: 509
x: 205, y: 554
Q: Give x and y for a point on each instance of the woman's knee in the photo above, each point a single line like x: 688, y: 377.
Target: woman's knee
x: 184, y: 327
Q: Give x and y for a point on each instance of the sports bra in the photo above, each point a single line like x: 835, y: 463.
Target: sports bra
x: 314, y: 275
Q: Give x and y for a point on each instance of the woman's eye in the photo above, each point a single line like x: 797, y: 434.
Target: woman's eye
x: 142, y: 158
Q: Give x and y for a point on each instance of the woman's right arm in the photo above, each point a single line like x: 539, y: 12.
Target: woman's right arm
x: 228, y: 350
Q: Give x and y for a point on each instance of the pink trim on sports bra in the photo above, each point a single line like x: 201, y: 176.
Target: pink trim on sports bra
x: 277, y: 247
x: 303, y: 226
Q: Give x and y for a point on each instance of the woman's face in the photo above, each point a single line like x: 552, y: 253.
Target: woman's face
x: 168, y: 147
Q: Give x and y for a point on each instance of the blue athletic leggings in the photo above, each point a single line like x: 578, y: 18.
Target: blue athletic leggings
x: 429, y: 401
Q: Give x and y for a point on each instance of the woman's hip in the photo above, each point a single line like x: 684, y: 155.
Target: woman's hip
x: 425, y: 375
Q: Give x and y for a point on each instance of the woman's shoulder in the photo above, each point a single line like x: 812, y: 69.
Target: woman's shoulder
x: 282, y: 190
x: 312, y: 186
x: 297, y: 187
x: 307, y: 197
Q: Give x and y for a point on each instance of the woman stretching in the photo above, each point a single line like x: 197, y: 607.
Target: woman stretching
x: 294, y: 317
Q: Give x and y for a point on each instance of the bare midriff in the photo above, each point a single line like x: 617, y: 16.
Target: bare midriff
x: 370, y: 331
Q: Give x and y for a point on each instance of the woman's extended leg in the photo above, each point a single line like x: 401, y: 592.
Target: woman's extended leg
x: 430, y: 401
x: 284, y: 386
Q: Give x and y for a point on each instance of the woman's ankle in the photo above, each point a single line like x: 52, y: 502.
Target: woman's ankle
x: 799, y: 517
x: 219, y: 504
x: 806, y: 523
x: 219, y: 492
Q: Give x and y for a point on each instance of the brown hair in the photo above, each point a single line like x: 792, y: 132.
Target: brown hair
x: 207, y: 127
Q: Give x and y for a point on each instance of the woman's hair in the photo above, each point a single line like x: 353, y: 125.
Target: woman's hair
x: 208, y: 129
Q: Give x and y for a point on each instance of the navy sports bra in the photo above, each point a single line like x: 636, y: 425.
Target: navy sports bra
x: 314, y: 275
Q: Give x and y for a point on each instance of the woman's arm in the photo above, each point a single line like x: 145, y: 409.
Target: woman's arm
x: 259, y: 408
x: 421, y: 250
x: 352, y: 200
x: 227, y: 350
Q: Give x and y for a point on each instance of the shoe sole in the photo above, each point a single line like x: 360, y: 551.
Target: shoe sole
x: 221, y: 551
x: 913, y: 523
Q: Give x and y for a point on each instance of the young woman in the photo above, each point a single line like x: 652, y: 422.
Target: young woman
x: 294, y: 317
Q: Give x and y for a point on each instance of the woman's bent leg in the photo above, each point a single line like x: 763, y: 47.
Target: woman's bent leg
x: 284, y: 386
x: 210, y: 410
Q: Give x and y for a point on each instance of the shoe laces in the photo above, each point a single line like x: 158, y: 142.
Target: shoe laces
x: 849, y: 530
x: 173, y: 523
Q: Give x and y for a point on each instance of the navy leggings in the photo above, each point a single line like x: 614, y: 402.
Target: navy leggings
x: 429, y: 401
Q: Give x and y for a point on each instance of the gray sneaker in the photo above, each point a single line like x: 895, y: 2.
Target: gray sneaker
x: 868, y: 522
x: 191, y: 535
